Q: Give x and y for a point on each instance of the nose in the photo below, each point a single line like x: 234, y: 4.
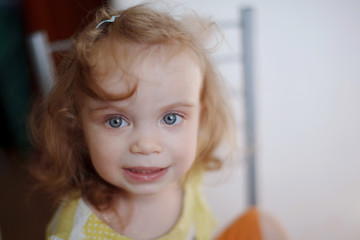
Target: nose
x: 146, y: 145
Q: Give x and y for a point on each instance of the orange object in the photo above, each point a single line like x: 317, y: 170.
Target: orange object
x: 246, y: 227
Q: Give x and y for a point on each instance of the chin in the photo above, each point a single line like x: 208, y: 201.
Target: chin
x: 145, y: 190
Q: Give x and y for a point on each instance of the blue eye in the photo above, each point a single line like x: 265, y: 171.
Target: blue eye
x: 117, y: 122
x: 172, y: 119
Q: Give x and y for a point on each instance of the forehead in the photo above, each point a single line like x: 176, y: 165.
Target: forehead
x: 119, y: 66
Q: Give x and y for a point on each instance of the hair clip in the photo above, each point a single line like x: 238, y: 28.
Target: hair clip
x: 112, y: 19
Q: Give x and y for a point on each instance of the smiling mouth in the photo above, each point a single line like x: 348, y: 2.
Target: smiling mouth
x: 145, y: 174
x: 144, y: 170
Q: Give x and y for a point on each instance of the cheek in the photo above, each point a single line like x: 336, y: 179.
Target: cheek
x: 186, y: 150
x: 104, y: 151
x: 106, y: 158
x: 190, y: 153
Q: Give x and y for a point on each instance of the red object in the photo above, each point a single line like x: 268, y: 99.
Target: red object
x: 59, y: 18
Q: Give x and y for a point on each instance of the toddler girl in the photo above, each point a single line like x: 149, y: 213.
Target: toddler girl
x: 132, y: 122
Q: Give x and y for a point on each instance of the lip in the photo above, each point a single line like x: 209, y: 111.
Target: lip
x: 145, y: 174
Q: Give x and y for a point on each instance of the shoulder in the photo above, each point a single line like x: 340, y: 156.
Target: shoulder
x: 69, y: 220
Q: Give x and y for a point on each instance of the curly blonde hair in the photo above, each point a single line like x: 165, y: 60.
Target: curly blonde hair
x: 62, y: 161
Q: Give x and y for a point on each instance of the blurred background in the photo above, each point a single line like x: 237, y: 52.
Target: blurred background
x: 304, y: 106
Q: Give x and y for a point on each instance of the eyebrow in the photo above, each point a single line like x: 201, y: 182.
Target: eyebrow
x: 179, y: 104
x: 107, y: 106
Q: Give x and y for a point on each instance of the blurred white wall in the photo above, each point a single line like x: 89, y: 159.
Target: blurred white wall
x: 308, y: 114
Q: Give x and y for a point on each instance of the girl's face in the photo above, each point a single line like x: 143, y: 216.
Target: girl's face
x: 146, y: 143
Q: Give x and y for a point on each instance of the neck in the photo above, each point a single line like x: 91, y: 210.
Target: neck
x: 154, y: 214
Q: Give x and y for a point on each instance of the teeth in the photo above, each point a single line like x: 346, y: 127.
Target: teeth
x: 141, y: 171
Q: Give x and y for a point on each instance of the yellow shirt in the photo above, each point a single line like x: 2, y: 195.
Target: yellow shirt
x: 74, y: 220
